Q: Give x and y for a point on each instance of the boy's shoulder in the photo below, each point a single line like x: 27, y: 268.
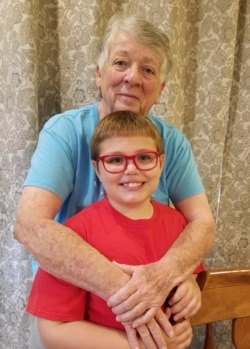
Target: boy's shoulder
x: 165, y: 209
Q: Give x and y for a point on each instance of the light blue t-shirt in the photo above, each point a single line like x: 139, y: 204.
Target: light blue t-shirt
x: 62, y: 162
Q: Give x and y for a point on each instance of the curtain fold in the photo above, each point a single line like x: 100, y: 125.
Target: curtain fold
x: 48, y: 53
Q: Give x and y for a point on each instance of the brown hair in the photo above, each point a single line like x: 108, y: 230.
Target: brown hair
x: 121, y: 124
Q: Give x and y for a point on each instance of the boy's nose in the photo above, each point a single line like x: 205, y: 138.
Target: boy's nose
x: 130, y: 167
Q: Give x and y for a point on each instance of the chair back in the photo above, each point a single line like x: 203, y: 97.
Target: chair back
x: 225, y: 295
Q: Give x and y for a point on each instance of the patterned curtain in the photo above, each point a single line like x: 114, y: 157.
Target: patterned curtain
x: 47, y: 65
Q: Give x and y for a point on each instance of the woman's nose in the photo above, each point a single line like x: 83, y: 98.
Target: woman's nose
x: 133, y: 75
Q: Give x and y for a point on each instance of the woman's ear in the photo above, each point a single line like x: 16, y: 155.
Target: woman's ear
x: 158, y: 98
x: 98, y: 77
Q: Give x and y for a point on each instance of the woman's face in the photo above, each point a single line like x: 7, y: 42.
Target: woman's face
x: 130, y: 79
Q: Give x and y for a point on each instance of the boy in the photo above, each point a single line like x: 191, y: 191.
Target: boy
x: 128, y: 156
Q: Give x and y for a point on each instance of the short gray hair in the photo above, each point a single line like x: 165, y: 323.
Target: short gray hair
x: 142, y: 31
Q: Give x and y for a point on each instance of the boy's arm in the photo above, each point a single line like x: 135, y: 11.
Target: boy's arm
x: 86, y: 335
x: 80, y: 334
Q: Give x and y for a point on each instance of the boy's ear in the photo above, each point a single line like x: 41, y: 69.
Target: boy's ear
x: 162, y: 160
x: 95, y: 166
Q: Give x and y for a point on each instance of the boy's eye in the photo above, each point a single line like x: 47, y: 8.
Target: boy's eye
x: 145, y: 157
x: 115, y: 160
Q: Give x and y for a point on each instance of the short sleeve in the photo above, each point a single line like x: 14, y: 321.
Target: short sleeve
x: 52, y: 164
x: 54, y: 299
x: 180, y: 177
x: 182, y: 172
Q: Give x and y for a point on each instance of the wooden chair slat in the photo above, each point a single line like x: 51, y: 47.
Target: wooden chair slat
x: 225, y: 295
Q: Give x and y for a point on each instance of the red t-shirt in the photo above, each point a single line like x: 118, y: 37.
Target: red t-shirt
x: 120, y: 239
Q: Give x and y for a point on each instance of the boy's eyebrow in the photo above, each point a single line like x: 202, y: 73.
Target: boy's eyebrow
x: 143, y: 150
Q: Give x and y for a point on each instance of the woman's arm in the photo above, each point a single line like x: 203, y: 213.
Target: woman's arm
x: 59, y: 250
x: 62, y: 253
x: 65, y: 255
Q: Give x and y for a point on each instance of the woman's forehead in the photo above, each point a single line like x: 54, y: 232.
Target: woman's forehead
x: 125, y: 44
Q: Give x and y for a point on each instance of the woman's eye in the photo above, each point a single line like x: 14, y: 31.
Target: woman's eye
x: 120, y: 63
x: 149, y: 71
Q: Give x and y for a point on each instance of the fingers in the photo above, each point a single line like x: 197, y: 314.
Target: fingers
x: 145, y: 286
x: 123, y: 297
x: 182, y: 337
x: 163, y: 321
x: 134, y: 308
x: 185, y: 311
x: 132, y: 337
x: 151, y: 336
x: 156, y: 333
x: 186, y: 301
x: 129, y: 309
x: 145, y: 318
x: 146, y: 337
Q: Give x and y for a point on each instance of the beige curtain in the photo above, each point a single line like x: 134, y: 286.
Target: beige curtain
x: 47, y: 64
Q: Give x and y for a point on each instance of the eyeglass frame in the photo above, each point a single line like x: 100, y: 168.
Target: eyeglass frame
x: 129, y: 157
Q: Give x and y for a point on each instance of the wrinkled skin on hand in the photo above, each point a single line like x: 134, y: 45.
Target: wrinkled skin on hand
x: 142, y: 296
x: 145, y: 293
x: 138, y: 305
x: 147, y: 336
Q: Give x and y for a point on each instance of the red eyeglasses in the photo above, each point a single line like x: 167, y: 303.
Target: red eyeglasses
x: 116, y: 163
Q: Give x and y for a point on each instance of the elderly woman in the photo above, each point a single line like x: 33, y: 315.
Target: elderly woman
x: 131, y: 74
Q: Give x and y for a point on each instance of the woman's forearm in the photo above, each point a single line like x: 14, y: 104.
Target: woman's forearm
x: 187, y: 252
x: 59, y: 250
x: 65, y: 255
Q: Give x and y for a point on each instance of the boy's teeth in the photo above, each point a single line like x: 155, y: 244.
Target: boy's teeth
x: 132, y: 184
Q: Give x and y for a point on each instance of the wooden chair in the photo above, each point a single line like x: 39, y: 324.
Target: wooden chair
x: 225, y: 295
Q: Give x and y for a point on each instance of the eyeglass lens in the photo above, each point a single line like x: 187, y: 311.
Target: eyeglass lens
x: 118, y: 163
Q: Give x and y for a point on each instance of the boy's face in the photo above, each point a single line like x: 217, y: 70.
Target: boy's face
x: 132, y: 187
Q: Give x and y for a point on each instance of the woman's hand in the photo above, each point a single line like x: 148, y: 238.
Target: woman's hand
x: 139, y: 300
x: 138, y: 307
x: 153, y: 336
